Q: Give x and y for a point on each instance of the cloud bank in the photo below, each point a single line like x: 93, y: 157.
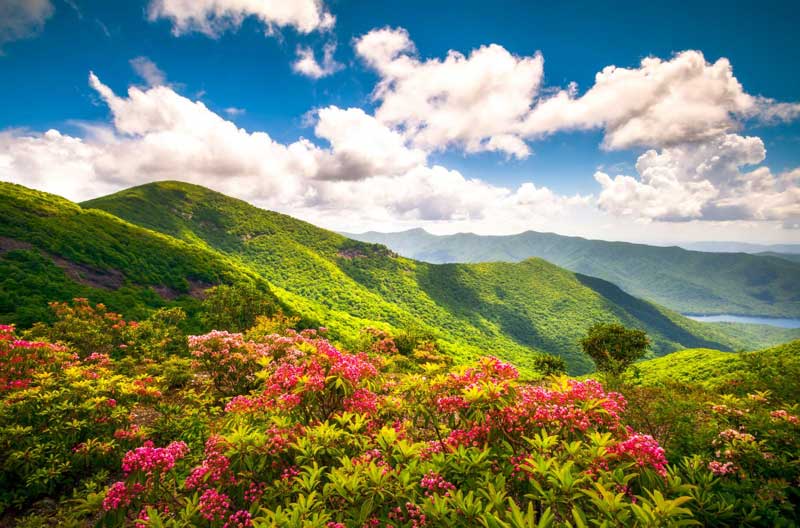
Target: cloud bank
x: 366, y: 173
x: 683, y: 116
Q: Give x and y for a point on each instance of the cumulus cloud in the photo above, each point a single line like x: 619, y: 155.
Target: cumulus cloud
x: 366, y: 173
x: 307, y: 64
x: 20, y: 19
x: 362, y: 147
x: 491, y: 100
x: 705, y: 180
x: 148, y: 71
x: 213, y: 17
x: 476, y: 102
x: 663, y: 102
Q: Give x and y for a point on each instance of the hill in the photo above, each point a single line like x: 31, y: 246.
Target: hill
x: 53, y: 250
x: 682, y: 280
x: 505, y: 309
x: 714, y: 369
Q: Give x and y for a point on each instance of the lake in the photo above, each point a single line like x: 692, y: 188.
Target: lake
x: 783, y: 322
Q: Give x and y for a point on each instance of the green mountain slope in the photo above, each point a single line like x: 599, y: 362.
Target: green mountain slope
x: 685, y: 281
x: 497, y: 308
x: 715, y: 369
x: 52, y: 249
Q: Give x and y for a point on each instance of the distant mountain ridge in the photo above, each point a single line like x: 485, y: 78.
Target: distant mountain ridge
x: 742, y: 247
x: 682, y: 280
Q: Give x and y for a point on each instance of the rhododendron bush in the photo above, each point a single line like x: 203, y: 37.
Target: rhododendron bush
x: 290, y: 429
x: 329, y: 438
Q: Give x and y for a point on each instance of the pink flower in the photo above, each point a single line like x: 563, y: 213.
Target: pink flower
x: 362, y: 401
x: 720, y: 469
x: 240, y: 519
x: 785, y: 416
x: 214, y: 505
x: 434, y: 483
x: 117, y: 496
x: 149, y: 459
x: 644, y: 450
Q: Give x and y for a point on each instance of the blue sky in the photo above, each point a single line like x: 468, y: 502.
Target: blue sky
x: 247, y: 65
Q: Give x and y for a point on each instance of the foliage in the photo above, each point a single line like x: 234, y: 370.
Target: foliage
x: 333, y: 440
x: 59, y: 417
x: 548, y: 365
x: 735, y: 415
x: 286, y: 429
x: 235, y: 307
x: 614, y: 348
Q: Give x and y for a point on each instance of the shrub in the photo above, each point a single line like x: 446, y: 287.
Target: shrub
x: 613, y: 348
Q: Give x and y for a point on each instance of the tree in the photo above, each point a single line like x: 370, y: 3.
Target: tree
x: 549, y: 365
x: 614, y: 348
x: 235, y: 308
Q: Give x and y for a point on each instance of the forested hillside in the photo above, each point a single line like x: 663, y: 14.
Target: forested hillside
x: 54, y: 250
x: 682, y: 280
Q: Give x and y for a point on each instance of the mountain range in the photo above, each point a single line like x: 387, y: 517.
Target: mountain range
x: 685, y: 281
x: 162, y: 244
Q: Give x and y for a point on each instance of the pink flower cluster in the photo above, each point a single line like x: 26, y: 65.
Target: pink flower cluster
x: 433, y: 483
x: 304, y: 367
x: 362, y: 401
x: 583, y: 405
x: 215, y: 467
x: 120, y: 495
x: 719, y: 469
x: 488, y: 369
x: 21, y: 359
x: 644, y: 450
x: 240, y: 519
x: 785, y: 416
x: 732, y: 435
x: 149, y: 459
x: 231, y: 361
x: 451, y: 404
x: 382, y: 342
x: 412, y: 516
x: 99, y: 359
x: 214, y: 505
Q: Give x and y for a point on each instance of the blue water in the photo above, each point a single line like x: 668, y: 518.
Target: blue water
x: 783, y: 322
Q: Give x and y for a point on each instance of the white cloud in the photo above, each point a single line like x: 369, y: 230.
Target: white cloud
x: 361, y: 147
x: 703, y: 181
x: 475, y: 102
x: 213, y: 17
x: 20, y: 19
x: 368, y: 173
x: 684, y: 99
x: 306, y: 63
x: 234, y: 111
x: 148, y: 71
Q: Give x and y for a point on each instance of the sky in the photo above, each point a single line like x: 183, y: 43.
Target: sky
x: 626, y: 121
